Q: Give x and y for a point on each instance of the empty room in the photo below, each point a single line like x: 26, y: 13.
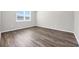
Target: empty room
x: 39, y: 28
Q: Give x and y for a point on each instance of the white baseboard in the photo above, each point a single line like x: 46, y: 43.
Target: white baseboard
x: 57, y: 29
x: 15, y: 29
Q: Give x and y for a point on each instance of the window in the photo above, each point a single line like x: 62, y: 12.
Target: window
x: 23, y: 16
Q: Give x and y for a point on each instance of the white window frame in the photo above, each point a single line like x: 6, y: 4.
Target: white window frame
x: 24, y: 17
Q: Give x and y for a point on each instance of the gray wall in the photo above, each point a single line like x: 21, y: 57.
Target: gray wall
x: 0, y: 25
x: 76, y: 27
x: 0, y: 21
x: 9, y: 21
x: 59, y: 20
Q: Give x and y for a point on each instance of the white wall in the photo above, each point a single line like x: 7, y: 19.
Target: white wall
x: 0, y: 20
x: 0, y: 24
x: 9, y: 21
x: 76, y: 27
x: 59, y: 20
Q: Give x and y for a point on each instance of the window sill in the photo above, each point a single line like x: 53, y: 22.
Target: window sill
x: 23, y: 20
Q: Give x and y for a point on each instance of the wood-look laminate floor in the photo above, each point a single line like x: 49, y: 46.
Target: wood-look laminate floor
x: 38, y: 37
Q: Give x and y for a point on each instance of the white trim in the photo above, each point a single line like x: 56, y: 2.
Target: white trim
x: 56, y: 29
x: 16, y: 29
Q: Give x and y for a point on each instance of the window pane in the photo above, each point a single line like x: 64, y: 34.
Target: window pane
x: 20, y: 17
x: 20, y: 13
x: 27, y: 13
x: 27, y: 18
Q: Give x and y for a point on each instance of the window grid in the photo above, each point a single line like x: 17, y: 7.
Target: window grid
x: 24, y: 16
